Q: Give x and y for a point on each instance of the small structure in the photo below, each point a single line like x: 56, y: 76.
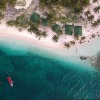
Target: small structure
x: 44, y: 21
x: 69, y: 29
x: 78, y: 30
x: 56, y: 28
x: 35, y: 17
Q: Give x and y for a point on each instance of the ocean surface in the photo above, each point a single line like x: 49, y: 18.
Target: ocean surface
x: 40, y: 75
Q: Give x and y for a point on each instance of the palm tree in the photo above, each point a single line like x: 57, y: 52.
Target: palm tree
x: 64, y: 20
x: 33, y: 29
x: 51, y: 17
x: 76, y: 37
x: 1, y: 16
x: 12, y: 2
x: 90, y: 18
x: 95, y: 0
x: 55, y: 38
x: 72, y: 42
x: 98, y: 20
x: 44, y: 34
x: 20, y: 22
x: 96, y: 9
x: 95, y: 24
x: 87, y: 13
x: 67, y: 45
x: 11, y: 23
x: 82, y: 38
x: 3, y: 4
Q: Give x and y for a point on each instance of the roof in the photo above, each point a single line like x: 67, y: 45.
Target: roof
x: 44, y: 21
x: 35, y: 17
x: 78, y: 30
x: 69, y: 29
x: 56, y: 28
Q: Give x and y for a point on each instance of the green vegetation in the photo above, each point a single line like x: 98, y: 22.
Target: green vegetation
x: 76, y: 37
x: 72, y: 42
x: 64, y: 19
x: 51, y: 16
x: 55, y: 38
x: 67, y: 45
x: 87, y: 13
x: 12, y: 2
x: 83, y: 38
x: 1, y: 16
x: 44, y: 21
x: 75, y: 5
x: 57, y: 29
x: 34, y: 29
x: 3, y: 5
x: 95, y: 0
x: 90, y: 18
x: 96, y: 23
x: 96, y: 9
x: 20, y: 22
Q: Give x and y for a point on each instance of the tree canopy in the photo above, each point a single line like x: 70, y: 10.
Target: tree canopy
x: 3, y: 3
x: 76, y: 5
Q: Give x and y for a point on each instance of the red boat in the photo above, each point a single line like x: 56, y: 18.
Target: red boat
x: 10, y: 81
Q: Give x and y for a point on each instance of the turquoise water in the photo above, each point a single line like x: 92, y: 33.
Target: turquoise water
x: 39, y: 75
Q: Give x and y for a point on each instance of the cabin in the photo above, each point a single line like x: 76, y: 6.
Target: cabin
x: 69, y: 29
x: 78, y: 30
x: 35, y: 17
x: 44, y: 21
x: 56, y: 28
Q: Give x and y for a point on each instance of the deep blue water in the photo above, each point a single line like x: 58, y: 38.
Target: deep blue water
x: 37, y: 77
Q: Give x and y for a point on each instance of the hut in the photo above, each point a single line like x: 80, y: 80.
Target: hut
x: 35, y: 17
x: 56, y: 28
x: 78, y: 30
x: 44, y: 21
x: 69, y: 29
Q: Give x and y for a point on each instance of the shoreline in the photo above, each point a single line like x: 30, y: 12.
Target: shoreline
x: 86, y: 48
